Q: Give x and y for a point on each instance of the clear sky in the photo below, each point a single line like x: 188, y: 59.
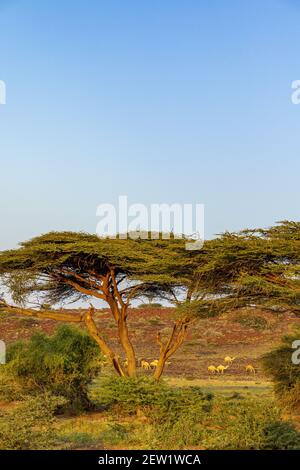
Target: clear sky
x: 163, y: 101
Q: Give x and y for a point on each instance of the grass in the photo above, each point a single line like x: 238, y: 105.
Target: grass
x: 100, y: 430
x: 110, y: 429
x: 218, y: 386
x: 104, y: 430
x: 81, y: 432
x: 225, y: 388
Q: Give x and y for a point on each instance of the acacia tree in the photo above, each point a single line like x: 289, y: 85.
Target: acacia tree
x: 257, y: 268
x: 69, y: 266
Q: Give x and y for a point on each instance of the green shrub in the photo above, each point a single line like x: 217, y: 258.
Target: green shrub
x: 154, y: 321
x: 181, y: 418
x: 155, y: 399
x: 247, y: 425
x: 116, y: 433
x: 11, y: 389
x: 227, y: 425
x: 182, y: 433
x: 252, y: 321
x: 77, y: 439
x: 150, y: 305
x: 63, y: 364
x: 27, y: 322
x: 125, y: 394
x: 29, y: 426
x: 285, y: 375
x: 280, y: 436
x: 171, y: 415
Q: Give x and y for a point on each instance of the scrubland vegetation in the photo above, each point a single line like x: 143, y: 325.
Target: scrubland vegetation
x: 54, y: 397
x: 83, y: 386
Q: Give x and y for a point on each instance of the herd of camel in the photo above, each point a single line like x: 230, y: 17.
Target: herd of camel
x: 250, y: 369
x: 145, y: 364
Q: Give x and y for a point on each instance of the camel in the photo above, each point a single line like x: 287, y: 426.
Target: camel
x: 145, y: 365
x: 212, y: 369
x: 221, y: 368
x: 153, y: 364
x: 229, y: 360
x: 250, y: 369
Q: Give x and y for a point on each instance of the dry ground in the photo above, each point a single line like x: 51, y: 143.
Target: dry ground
x: 207, y: 343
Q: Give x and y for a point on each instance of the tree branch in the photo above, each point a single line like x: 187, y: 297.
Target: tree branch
x: 43, y: 314
x: 83, y: 290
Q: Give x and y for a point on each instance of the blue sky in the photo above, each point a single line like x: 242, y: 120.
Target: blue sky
x: 163, y: 101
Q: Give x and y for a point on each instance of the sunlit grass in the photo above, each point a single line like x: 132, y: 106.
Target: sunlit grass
x: 225, y: 387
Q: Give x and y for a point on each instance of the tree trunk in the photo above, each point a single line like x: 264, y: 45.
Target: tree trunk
x: 170, y: 347
x: 160, y: 367
x: 119, y: 310
x: 127, y: 346
x: 107, y: 351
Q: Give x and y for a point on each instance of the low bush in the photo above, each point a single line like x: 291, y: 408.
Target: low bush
x: 155, y: 399
x: 116, y: 433
x: 249, y: 424
x: 285, y: 375
x: 185, y: 432
x: 181, y: 418
x: 11, y: 389
x: 280, y: 436
x: 254, y: 322
x: 150, y: 305
x: 63, y: 364
x: 75, y: 440
x: 29, y: 426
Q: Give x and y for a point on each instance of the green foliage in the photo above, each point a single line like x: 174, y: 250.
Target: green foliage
x: 258, y: 267
x: 45, y: 264
x: 280, y: 436
x: 253, y: 267
x: 181, y: 418
x: 172, y: 412
x: 249, y: 424
x: 285, y: 375
x: 291, y: 398
x: 63, y: 364
x: 11, y: 389
x: 154, y: 399
x: 255, y: 322
x: 183, y: 433
x: 116, y: 433
x: 29, y: 426
x: 239, y: 424
x: 27, y: 322
x: 126, y: 394
x: 75, y: 440
x: 151, y: 305
x: 233, y: 424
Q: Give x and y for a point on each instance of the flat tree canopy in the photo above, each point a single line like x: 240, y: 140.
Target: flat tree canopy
x: 258, y: 268
x: 68, y: 266
x: 254, y: 268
